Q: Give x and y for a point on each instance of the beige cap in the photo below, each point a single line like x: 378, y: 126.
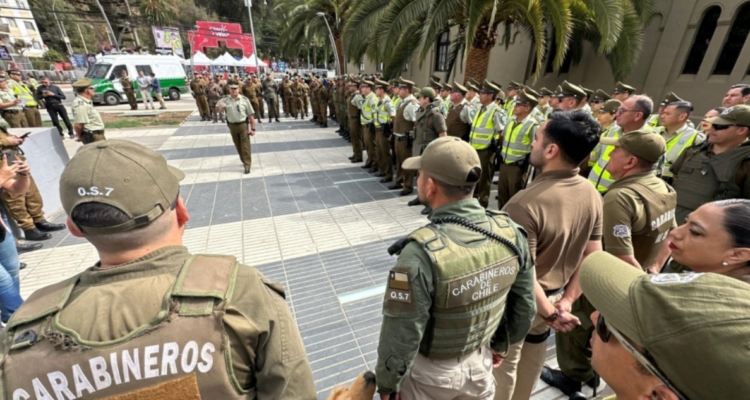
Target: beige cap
x: 450, y: 160
x: 642, y: 144
x: 735, y: 115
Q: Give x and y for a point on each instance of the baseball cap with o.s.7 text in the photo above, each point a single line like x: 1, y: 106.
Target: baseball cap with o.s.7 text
x: 695, y: 328
x: 124, y: 175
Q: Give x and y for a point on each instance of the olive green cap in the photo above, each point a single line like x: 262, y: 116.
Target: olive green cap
x: 416, y: 92
x: 488, y: 87
x: 79, y: 84
x: 457, y: 87
x: 623, y: 88
x: 531, y: 91
x: 474, y: 82
x: 588, y: 92
x: 671, y: 97
x: 435, y: 78
x: 526, y: 98
x: 558, y: 91
x: 427, y: 92
x: 496, y: 84
x: 500, y: 95
x: 435, y: 84
x: 611, y: 106
x: 735, y: 115
x: 514, y: 85
x: 381, y: 84
x: 14, y: 71
x: 123, y: 174
x: 569, y: 89
x: 393, y: 82
x: 233, y: 84
x: 472, y: 86
x: 365, y: 82
x: 601, y: 95
x: 545, y: 92
x: 352, y: 82
x: 642, y: 144
x: 447, y: 86
x: 405, y: 83
x: 449, y: 160
x: 694, y: 327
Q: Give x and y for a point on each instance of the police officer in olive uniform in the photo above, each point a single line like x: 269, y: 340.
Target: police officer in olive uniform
x: 355, y: 128
x: 127, y: 87
x: 286, y: 95
x: 296, y: 98
x: 240, y: 114
x: 323, y: 99
x: 367, y: 104
x: 606, y: 118
x: 516, y: 147
x: 461, y: 113
x: 271, y: 94
x: 430, y: 125
x: 638, y: 213
x: 12, y: 111
x: 449, y: 315
x: 215, y: 92
x: 248, y: 90
x: 383, y: 123
x: 260, y: 111
x: 20, y: 89
x: 305, y: 97
x: 622, y: 91
x: 513, y: 89
x: 484, y: 137
x: 198, y: 86
x: 202, y: 326
x: 544, y: 107
x: 403, y: 130
x: 597, y: 101
x: 88, y: 122
x: 679, y: 134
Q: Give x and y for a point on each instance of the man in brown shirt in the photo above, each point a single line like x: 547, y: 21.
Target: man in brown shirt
x: 562, y: 214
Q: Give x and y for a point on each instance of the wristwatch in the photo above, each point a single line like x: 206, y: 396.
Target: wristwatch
x: 552, y: 318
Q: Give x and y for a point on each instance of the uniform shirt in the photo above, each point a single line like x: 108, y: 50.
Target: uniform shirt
x: 84, y: 113
x: 7, y: 96
x: 467, y: 113
x: 403, y: 329
x: 270, y: 88
x: 561, y: 212
x: 623, y: 208
x: 238, y: 110
x: 741, y: 177
x: 498, y: 119
x: 261, y: 350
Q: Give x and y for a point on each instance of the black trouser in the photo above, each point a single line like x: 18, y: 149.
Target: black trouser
x: 53, y: 110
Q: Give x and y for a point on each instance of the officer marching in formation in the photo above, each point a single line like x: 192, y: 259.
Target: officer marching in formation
x: 271, y: 94
x: 127, y: 87
x: 241, y: 121
x: 248, y: 90
x: 198, y: 87
x: 436, y: 324
x: 33, y: 118
x: 194, y: 321
x: 215, y: 92
x: 88, y: 123
x: 260, y: 111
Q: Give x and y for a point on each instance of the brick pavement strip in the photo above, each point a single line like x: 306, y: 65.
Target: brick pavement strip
x: 305, y: 217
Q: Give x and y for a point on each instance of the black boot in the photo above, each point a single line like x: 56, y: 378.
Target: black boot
x: 414, y: 202
x: 557, y: 379
x: 46, y: 226
x: 36, y: 234
x: 23, y: 265
x: 26, y: 247
x: 325, y: 125
x: 269, y: 120
x: 426, y: 211
x: 277, y: 120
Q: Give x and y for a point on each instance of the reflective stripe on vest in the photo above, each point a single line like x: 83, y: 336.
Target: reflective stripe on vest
x: 518, y: 144
x: 594, y: 157
x: 683, y: 139
x: 599, y: 176
x: 509, y: 105
x: 472, y: 285
x: 483, y: 128
x: 368, y: 110
x: 653, y: 121
x: 383, y: 116
x: 23, y: 92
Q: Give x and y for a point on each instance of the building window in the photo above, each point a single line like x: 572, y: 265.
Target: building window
x: 4, y: 2
x: 735, y: 41
x: 381, y: 66
x: 29, y: 25
x: 703, y: 37
x: 406, y: 66
x: 12, y: 23
x: 36, y: 45
x: 362, y: 66
x: 20, y: 4
x: 441, y: 52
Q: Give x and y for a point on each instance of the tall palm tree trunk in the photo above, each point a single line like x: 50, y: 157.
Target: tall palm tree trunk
x: 339, y: 42
x: 478, y: 57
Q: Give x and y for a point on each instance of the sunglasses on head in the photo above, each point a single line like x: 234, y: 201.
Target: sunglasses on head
x: 605, y: 333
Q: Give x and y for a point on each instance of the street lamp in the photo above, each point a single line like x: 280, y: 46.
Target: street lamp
x: 249, y: 4
x: 333, y: 43
x: 192, y: 61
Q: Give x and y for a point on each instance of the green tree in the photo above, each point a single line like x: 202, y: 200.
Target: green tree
x: 397, y: 30
x: 157, y: 12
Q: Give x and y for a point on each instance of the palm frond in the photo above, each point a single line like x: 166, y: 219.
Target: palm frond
x: 558, y: 11
x: 360, y: 26
x: 398, y: 15
x: 607, y: 16
x: 404, y: 49
x: 625, y: 54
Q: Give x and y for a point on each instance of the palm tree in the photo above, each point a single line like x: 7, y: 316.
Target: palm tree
x: 303, y: 25
x: 157, y: 12
x: 396, y: 30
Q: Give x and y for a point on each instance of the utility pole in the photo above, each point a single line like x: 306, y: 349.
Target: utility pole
x: 132, y: 31
x: 249, y: 4
x: 85, y: 49
x: 61, y: 27
x: 111, y: 32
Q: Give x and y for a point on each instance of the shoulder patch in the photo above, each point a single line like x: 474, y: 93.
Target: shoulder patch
x: 621, y: 231
x: 398, y: 287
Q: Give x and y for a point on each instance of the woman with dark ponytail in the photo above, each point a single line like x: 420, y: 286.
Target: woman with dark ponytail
x: 715, y: 238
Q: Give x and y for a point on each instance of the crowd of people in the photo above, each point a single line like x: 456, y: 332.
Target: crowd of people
x: 624, y: 231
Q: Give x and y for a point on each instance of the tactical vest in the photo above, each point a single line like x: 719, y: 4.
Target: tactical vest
x: 424, y: 131
x: 594, y: 157
x: 517, y: 142
x: 471, y: 288
x: 400, y: 124
x: 483, y: 129
x: 182, y: 352
x: 702, y: 179
x: 509, y: 105
x: 676, y: 146
x: 368, y: 111
x: 456, y: 127
x: 383, y: 116
x: 660, y: 211
x: 599, y: 175
x: 23, y: 92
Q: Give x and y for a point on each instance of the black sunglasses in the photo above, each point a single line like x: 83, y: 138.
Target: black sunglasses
x: 720, y: 127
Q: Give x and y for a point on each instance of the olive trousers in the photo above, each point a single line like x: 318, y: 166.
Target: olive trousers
x: 385, y: 162
x: 241, y: 141
x: 368, y: 134
x: 33, y: 118
x: 509, y: 182
x: 404, y: 178
x: 130, y: 94
x: 486, y: 158
x: 202, y: 102
x: 322, y: 112
x: 355, y: 130
x: 25, y: 208
x: 273, y: 107
x: 573, y: 348
x: 16, y: 119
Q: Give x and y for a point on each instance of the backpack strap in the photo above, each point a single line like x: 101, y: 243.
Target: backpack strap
x: 204, y: 279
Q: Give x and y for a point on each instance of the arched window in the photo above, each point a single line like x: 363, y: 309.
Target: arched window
x: 735, y: 41
x: 441, y: 53
x: 703, y: 37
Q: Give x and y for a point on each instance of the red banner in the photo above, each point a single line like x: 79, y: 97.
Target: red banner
x: 210, y: 34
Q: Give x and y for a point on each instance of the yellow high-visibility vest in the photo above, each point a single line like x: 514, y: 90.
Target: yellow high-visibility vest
x: 599, y: 176
x: 682, y: 139
x: 383, y: 115
x: 23, y: 92
x: 517, y: 140
x: 483, y: 128
x: 368, y: 109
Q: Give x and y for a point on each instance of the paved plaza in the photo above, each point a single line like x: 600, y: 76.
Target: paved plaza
x: 305, y: 217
